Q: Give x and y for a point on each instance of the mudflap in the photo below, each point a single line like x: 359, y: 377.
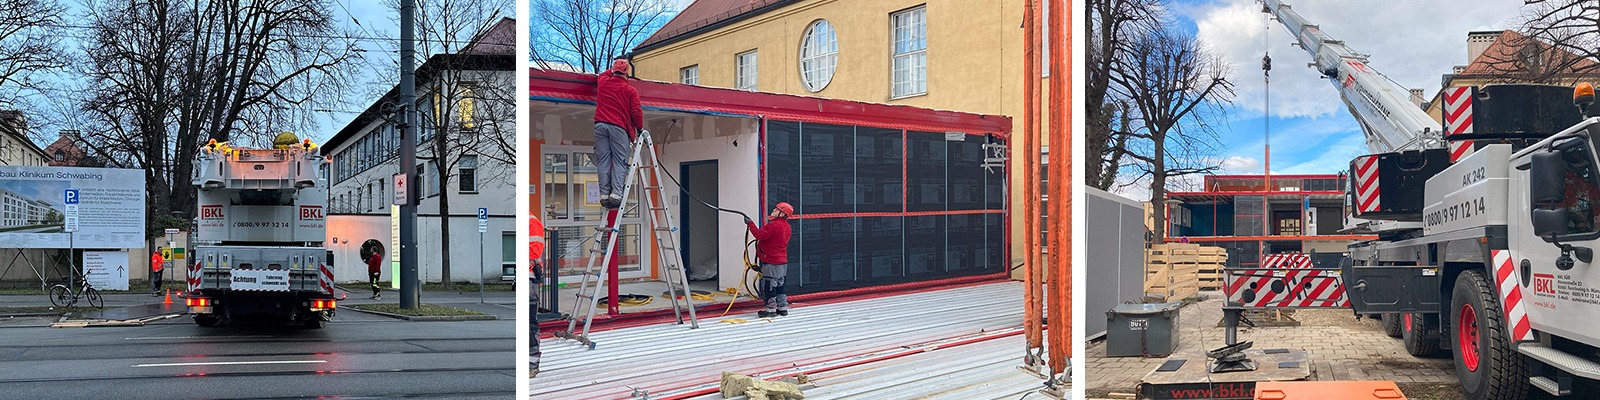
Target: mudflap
x: 1391, y: 289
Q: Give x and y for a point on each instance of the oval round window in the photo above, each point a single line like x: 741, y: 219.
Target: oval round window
x: 819, y: 54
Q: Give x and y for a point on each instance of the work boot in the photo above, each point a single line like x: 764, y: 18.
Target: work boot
x: 611, y: 202
x: 783, y: 313
x: 766, y: 314
x: 377, y: 296
x: 533, y: 373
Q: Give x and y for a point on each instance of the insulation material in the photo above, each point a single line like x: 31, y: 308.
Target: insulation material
x: 883, y: 206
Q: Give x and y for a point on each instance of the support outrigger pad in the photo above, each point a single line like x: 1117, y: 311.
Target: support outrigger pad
x: 1231, y: 358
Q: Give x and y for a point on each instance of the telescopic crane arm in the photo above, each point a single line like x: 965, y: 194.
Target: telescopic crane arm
x: 1384, y: 109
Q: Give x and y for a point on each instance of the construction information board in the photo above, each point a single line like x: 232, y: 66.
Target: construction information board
x: 110, y: 207
x: 106, y: 270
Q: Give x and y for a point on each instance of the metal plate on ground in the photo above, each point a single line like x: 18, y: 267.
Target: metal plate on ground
x: 1192, y: 380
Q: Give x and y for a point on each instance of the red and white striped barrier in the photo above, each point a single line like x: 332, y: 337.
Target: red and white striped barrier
x: 1285, y: 288
x: 1293, y: 260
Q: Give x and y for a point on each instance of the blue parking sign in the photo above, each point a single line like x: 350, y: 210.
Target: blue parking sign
x: 72, y: 196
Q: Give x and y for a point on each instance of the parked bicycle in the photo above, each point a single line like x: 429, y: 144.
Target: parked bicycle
x: 63, y: 296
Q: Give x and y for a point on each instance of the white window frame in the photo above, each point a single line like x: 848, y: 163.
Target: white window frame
x: 689, y: 75
x: 912, y: 80
x: 746, y: 76
x: 819, y: 59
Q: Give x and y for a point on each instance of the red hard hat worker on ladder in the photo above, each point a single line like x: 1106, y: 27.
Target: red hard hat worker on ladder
x: 772, y: 250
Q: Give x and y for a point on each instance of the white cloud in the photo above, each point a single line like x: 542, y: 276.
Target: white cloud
x: 1412, y: 42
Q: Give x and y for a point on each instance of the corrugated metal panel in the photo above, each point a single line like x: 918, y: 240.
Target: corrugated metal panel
x: 667, y: 358
x: 983, y: 370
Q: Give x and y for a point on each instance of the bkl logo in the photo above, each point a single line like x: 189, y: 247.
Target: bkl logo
x: 1544, y: 284
x: 211, y: 212
x: 310, y: 213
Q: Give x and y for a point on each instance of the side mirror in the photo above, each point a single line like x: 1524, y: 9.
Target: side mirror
x: 1550, y: 223
x: 1546, y: 185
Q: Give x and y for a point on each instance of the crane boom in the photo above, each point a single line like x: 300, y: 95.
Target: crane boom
x: 1384, y: 109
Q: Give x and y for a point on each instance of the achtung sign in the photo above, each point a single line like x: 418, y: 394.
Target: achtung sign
x: 266, y: 280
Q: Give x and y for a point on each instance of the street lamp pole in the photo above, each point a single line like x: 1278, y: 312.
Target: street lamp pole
x: 409, y: 298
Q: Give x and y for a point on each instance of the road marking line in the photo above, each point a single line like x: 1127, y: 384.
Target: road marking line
x: 197, y: 337
x: 231, y: 363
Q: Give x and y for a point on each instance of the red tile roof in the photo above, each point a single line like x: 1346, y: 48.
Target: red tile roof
x: 703, y: 13
x: 1504, y: 55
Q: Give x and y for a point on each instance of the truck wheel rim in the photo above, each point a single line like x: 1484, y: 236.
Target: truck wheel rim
x: 1467, y: 339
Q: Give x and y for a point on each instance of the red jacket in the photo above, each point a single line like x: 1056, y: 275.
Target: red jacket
x: 617, y: 103
x: 772, y: 241
x: 374, y: 263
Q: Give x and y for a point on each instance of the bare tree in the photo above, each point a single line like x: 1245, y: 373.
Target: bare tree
x: 587, y: 34
x: 471, y: 60
x: 1556, y: 45
x: 1174, y: 88
x: 167, y: 75
x: 1110, y: 24
x: 28, y: 44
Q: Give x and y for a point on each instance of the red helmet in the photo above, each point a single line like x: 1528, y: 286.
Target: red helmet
x: 619, y: 66
x: 785, y: 208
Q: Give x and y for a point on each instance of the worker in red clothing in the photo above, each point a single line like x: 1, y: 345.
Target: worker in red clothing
x: 772, y: 251
x: 375, y: 270
x: 157, y: 264
x: 618, y: 117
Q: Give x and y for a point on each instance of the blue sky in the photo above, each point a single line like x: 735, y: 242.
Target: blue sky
x: 1412, y: 42
x: 365, y: 18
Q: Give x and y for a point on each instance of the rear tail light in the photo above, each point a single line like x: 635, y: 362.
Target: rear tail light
x: 197, y: 302
x: 323, y: 304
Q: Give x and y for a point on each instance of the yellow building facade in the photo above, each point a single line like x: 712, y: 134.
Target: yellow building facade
x: 973, y: 55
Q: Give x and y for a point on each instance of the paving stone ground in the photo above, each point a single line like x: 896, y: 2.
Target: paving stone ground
x: 1340, y: 348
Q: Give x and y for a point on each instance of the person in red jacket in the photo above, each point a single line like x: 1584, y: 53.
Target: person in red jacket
x: 375, y: 270
x: 618, y: 117
x: 772, y: 251
x: 535, y: 258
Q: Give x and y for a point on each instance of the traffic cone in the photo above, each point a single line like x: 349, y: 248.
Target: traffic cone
x: 168, y: 301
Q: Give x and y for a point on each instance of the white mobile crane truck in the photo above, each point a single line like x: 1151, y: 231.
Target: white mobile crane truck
x: 259, y: 252
x: 1486, y: 225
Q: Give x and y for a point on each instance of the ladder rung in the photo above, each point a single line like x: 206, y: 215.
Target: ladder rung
x: 666, y: 229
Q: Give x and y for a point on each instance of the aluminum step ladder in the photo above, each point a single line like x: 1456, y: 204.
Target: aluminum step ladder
x: 647, y: 172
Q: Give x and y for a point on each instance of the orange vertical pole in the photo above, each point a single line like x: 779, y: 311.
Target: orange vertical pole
x: 1060, y: 291
x: 1028, y: 154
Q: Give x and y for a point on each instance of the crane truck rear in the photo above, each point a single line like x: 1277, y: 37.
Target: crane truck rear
x: 259, y: 234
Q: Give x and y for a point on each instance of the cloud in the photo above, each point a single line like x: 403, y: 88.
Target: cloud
x: 1412, y: 42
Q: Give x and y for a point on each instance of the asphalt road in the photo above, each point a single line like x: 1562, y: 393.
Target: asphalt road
x: 357, y: 355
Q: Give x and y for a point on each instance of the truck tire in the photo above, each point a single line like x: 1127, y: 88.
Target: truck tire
x: 1391, y: 324
x: 1486, y: 361
x: 1420, y: 337
x: 207, y: 321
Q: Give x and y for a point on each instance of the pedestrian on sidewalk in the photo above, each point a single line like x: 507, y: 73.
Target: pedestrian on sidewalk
x: 772, y: 251
x: 618, y: 117
x: 157, y: 264
x: 535, y: 255
x: 374, y: 270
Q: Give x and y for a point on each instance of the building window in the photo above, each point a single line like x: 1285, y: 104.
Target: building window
x: 468, y: 174
x: 433, y: 181
x: 689, y: 75
x: 382, y: 190
x: 910, y: 52
x: 745, y: 63
x: 819, y: 54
